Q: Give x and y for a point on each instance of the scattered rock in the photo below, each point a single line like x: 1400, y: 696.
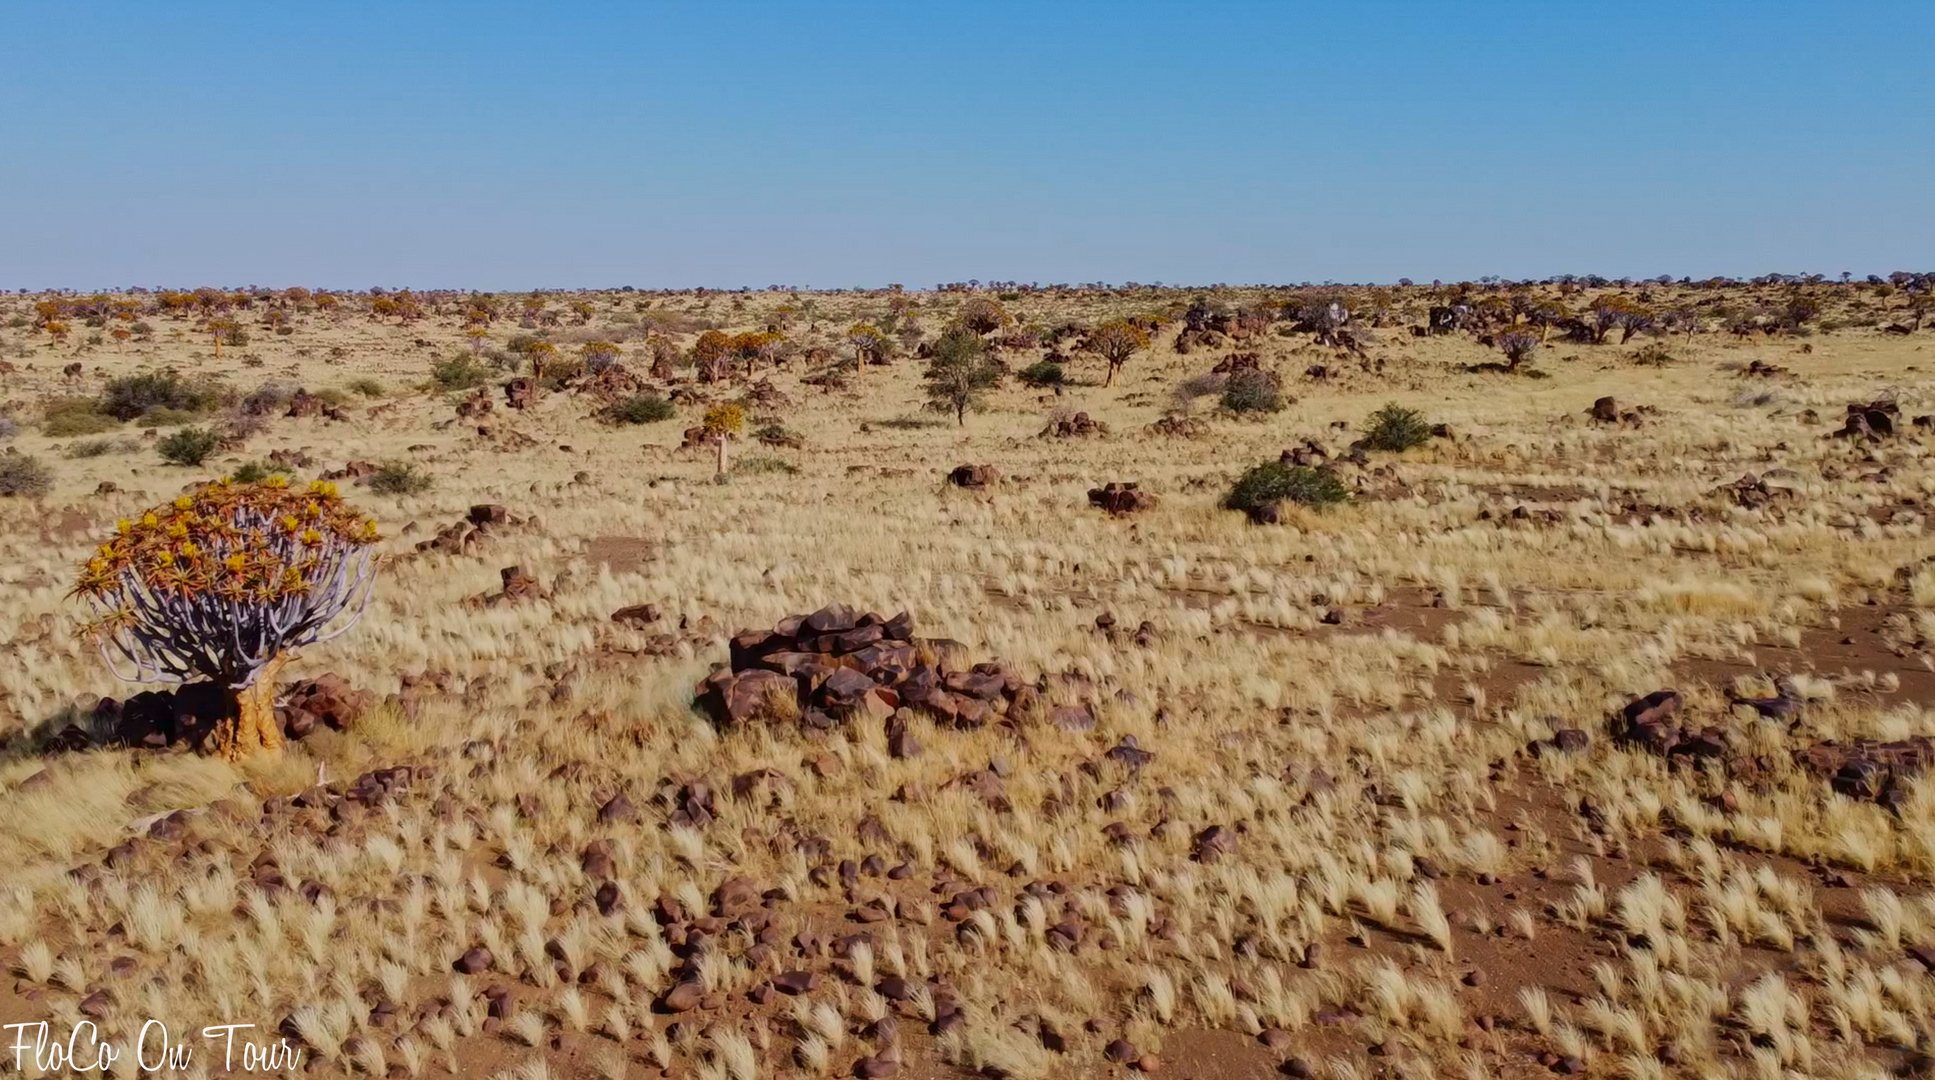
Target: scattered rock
x: 1120, y: 498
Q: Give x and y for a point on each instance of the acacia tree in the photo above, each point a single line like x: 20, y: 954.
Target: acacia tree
x: 1115, y: 342
x: 960, y: 373
x: 225, y: 584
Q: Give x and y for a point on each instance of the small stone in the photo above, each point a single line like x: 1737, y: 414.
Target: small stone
x: 796, y: 982
x: 1298, y: 1068
x: 684, y: 997
x: 1313, y: 955
x: 1120, y: 1051
x: 474, y: 961
x: 1474, y: 977
x: 876, y: 1066
x: 1275, y: 1038
x: 1149, y: 1063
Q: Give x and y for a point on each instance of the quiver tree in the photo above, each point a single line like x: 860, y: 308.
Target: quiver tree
x: 710, y: 354
x: 1518, y: 343
x: 723, y: 422
x: 870, y: 346
x: 224, y: 584
x: 599, y: 355
x: 1115, y: 342
x: 983, y: 315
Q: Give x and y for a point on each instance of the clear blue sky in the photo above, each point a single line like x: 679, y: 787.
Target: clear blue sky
x: 502, y: 146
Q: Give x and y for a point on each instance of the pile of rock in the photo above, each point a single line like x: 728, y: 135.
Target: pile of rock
x: 1078, y: 425
x: 521, y: 392
x: 518, y: 587
x: 1235, y: 362
x: 1763, y: 370
x: 836, y: 665
x: 1606, y: 410
x: 1178, y: 426
x: 612, y: 382
x: 351, y: 470
x: 305, y: 403
x: 327, y: 700
x: 974, y: 477
x: 478, y: 404
x: 1871, y: 421
x: 1652, y: 723
x: 1752, y: 492
x: 1870, y: 770
x: 465, y: 535
x: 699, y: 437
x: 1120, y: 498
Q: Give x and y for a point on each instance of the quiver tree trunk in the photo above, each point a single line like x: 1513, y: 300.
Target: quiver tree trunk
x: 248, y: 723
x: 722, y: 453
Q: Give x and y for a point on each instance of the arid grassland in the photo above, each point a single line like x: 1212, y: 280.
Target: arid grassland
x: 1338, y: 747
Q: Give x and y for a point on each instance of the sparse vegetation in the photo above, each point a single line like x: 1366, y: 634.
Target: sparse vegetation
x: 399, y: 478
x: 1273, y: 483
x: 1353, y: 781
x: 643, y: 409
x: 1042, y: 374
x: 960, y: 374
x: 1396, y: 429
x: 160, y: 392
x: 22, y: 475
x: 459, y: 372
x: 188, y: 446
x: 1253, y: 391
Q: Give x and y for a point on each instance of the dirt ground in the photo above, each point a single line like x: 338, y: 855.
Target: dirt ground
x: 1393, y: 813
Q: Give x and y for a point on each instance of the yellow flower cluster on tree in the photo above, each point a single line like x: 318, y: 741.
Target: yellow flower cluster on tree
x: 725, y: 419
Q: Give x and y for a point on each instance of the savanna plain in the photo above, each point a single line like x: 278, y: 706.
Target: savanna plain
x: 1488, y: 680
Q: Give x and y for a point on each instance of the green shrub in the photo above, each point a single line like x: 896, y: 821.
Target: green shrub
x: 1397, y: 429
x: 188, y: 446
x: 367, y: 387
x: 161, y: 418
x: 70, y: 416
x: 138, y: 395
x: 93, y: 448
x: 777, y: 434
x: 1253, y: 391
x: 21, y: 475
x: 761, y: 464
x: 460, y: 372
x: 642, y: 409
x: 1043, y: 373
x: 254, y: 472
x: 332, y: 396
x: 399, y: 478
x: 1273, y: 482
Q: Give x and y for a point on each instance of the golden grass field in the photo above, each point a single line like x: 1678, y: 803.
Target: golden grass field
x: 1403, y: 889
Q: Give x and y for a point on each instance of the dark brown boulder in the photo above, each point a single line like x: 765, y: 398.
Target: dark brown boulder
x: 1120, y: 498
x: 973, y: 477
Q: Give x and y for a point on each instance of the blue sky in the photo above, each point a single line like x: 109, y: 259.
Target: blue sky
x: 504, y: 146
